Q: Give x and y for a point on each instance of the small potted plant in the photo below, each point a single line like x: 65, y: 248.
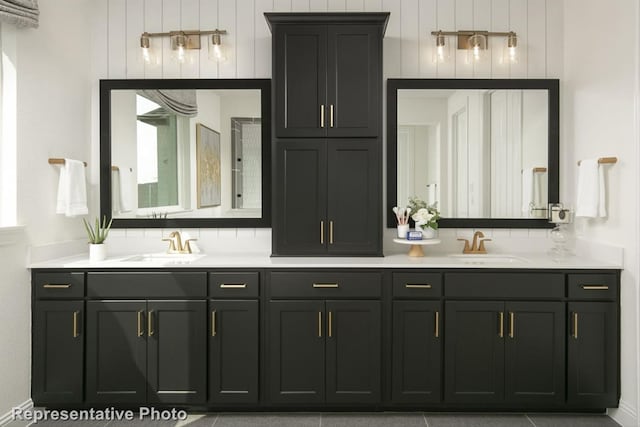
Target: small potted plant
x: 97, y: 235
x: 425, y: 216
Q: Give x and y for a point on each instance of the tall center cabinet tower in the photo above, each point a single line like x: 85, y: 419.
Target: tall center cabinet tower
x: 327, y: 153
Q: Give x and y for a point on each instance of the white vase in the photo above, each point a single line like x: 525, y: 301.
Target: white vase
x: 429, y: 233
x: 403, y: 229
x: 97, y: 252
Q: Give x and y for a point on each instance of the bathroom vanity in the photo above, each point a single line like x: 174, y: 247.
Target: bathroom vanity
x: 439, y: 333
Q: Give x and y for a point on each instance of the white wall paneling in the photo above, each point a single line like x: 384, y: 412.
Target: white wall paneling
x: 209, y: 21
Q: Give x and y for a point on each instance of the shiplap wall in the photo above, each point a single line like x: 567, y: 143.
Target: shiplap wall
x: 408, y: 45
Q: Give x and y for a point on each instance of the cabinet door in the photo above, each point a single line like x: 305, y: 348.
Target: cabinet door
x: 534, y: 353
x: 176, y: 353
x: 300, y: 194
x: 353, y: 352
x: 354, y: 197
x: 417, y: 346
x: 296, y: 351
x: 474, y: 351
x: 116, y: 352
x: 354, y: 81
x: 58, y: 352
x: 233, y: 351
x: 593, y: 356
x: 300, y: 70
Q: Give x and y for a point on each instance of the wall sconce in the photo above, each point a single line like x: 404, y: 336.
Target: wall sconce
x: 182, y: 42
x: 475, y: 42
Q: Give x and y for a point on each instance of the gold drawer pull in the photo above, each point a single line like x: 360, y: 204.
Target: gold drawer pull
x: 325, y: 285
x: 501, y: 324
x: 437, y: 334
x: 330, y: 324
x: 213, y: 324
x: 233, y: 285
x: 595, y: 287
x: 149, y: 324
x: 512, y: 321
x: 54, y: 286
x: 321, y: 115
x: 75, y: 324
x: 575, y: 325
x: 416, y: 286
x: 322, y: 232
x: 140, y: 331
x: 319, y: 324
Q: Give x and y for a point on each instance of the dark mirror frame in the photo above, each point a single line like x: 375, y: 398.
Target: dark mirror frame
x: 553, y: 167
x: 106, y: 86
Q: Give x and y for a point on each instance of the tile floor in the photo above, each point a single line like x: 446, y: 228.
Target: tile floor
x: 388, y: 419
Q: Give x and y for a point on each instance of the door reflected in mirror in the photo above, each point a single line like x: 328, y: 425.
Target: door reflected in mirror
x: 189, y: 153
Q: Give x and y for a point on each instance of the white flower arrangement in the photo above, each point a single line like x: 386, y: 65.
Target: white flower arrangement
x: 425, y: 216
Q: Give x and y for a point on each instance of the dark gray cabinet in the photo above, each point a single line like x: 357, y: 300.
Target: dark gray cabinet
x: 58, y: 348
x: 321, y: 189
x: 504, y: 352
x: 327, y: 75
x: 593, y: 340
x: 146, y: 351
x: 416, y: 352
x: 324, y: 351
x: 233, y: 351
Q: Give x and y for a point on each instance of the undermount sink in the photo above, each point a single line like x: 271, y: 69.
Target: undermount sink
x: 164, y: 258
x: 487, y: 258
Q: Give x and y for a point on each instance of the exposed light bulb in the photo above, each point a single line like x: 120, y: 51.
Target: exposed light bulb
x: 476, y: 52
x: 440, y: 48
x: 180, y: 48
x: 216, y: 52
x: 145, y: 45
x: 512, y: 47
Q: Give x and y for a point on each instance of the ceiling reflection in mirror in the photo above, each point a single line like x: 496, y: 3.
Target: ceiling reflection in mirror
x: 186, y: 154
x: 475, y: 153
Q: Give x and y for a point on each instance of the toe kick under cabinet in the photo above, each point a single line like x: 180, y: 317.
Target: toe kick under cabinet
x: 324, y: 338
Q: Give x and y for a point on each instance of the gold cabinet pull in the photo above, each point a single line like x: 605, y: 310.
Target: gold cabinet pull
x: 150, y: 326
x: 575, y: 325
x: 330, y: 324
x: 595, y: 287
x: 512, y: 318
x: 501, y: 324
x: 75, y: 324
x: 213, y: 323
x: 331, y: 232
x: 325, y: 285
x: 56, y: 286
x: 331, y: 115
x: 140, y: 331
x: 233, y: 285
x: 321, y: 116
x: 417, y: 286
x: 437, y: 334
x: 319, y: 324
x: 322, y: 232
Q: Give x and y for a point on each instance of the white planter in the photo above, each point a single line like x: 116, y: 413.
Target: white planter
x: 97, y: 252
x: 428, y: 233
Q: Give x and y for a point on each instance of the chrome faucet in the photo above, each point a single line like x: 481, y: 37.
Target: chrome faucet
x: 175, y: 244
x: 477, y: 247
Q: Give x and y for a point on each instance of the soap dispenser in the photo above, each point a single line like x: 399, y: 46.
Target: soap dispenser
x: 561, y: 217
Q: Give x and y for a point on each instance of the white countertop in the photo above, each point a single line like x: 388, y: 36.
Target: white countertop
x: 261, y: 260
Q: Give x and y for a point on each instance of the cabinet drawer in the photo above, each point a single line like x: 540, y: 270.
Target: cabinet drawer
x: 504, y: 285
x: 147, y: 285
x: 235, y: 285
x: 593, y: 286
x: 418, y: 285
x: 59, y: 285
x: 325, y: 285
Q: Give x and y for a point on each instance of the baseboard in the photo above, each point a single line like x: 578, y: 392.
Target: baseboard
x: 625, y: 415
x: 8, y: 417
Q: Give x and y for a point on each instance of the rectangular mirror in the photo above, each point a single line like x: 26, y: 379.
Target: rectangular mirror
x: 484, y: 151
x: 185, y: 153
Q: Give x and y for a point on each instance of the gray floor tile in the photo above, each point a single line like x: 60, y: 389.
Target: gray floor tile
x: 572, y: 420
x: 477, y: 420
x: 268, y: 420
x: 415, y: 419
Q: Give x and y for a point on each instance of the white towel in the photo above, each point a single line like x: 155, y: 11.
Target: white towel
x: 591, y: 197
x: 126, y: 189
x: 528, y: 193
x: 72, y: 189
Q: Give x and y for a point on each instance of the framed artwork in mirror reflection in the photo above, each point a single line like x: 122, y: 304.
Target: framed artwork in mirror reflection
x: 208, y: 166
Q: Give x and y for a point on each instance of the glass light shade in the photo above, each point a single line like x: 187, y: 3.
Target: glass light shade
x: 216, y: 53
x: 511, y: 49
x: 179, y: 48
x: 441, y: 53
